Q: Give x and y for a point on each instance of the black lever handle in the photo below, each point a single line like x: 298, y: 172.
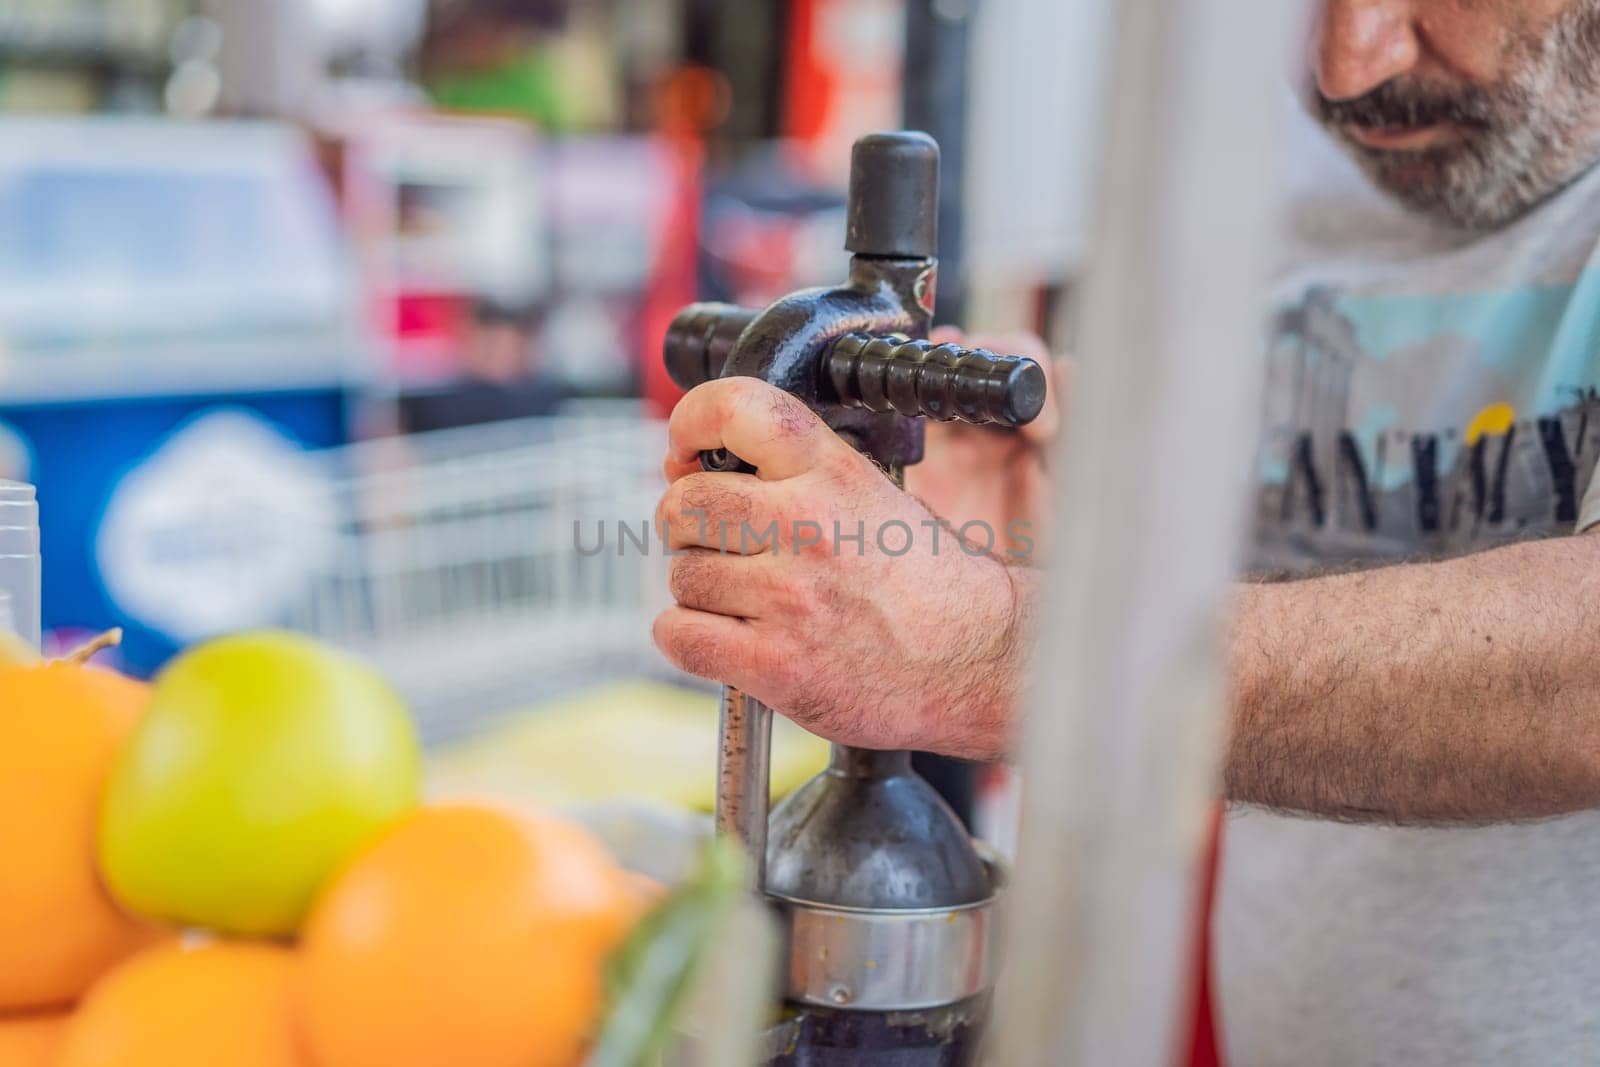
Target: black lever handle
x: 880, y: 373
x: 944, y: 382
x: 700, y: 338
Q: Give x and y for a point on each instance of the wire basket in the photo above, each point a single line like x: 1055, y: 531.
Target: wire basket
x: 484, y: 568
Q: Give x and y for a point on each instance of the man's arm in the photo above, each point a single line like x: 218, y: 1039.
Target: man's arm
x: 1465, y: 690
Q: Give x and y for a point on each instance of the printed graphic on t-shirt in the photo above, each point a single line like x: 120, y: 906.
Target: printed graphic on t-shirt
x: 1403, y: 426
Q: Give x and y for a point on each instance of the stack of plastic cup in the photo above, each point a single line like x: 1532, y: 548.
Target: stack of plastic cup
x: 19, y: 558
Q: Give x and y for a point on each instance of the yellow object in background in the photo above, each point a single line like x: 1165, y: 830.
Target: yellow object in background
x: 623, y: 741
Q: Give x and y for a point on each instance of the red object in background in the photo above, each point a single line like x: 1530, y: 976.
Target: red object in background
x: 689, y: 102
x: 672, y: 284
x: 429, y: 331
x: 430, y: 315
x: 1205, y: 1047
x: 842, y: 77
x: 809, y: 87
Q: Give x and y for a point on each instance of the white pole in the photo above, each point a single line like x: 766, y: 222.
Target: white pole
x: 1121, y: 747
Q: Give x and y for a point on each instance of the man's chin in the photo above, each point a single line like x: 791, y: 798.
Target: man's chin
x: 1415, y: 177
x: 1428, y: 182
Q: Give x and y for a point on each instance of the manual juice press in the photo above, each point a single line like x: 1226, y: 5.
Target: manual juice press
x: 887, y: 904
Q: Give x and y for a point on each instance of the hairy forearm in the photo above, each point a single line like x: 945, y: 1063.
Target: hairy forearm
x: 1464, y: 690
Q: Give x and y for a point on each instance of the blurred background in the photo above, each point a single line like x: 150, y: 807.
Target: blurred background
x: 345, y: 315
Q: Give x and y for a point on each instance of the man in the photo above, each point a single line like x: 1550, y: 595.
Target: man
x: 1433, y: 369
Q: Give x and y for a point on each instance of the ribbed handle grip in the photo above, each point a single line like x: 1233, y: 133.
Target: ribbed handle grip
x: 940, y: 381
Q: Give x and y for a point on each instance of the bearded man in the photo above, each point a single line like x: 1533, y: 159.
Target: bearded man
x: 1411, y: 872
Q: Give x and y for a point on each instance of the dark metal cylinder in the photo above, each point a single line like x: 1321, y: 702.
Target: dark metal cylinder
x: 894, y: 196
x: 942, y: 1037
x: 699, y: 340
x: 867, y: 762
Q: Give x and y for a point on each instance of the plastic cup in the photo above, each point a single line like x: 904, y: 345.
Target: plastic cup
x: 19, y: 558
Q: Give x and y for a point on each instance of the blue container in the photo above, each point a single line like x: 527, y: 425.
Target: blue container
x: 164, y: 283
x: 83, y: 451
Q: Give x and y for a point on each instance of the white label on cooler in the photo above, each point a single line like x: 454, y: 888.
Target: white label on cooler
x: 220, y: 529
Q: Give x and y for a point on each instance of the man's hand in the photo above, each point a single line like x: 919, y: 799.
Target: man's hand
x: 994, y: 476
x: 821, y: 589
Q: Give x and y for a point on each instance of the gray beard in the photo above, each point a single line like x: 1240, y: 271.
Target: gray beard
x: 1544, y: 133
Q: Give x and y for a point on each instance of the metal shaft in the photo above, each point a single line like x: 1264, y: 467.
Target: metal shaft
x: 743, y: 765
x: 868, y: 762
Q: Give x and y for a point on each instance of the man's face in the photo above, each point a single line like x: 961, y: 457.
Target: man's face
x: 1472, y: 110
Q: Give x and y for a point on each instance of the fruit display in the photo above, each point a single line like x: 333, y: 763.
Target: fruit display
x: 231, y: 866
x: 263, y: 760
x: 177, y: 1005
x: 61, y: 726
x: 32, y: 1040
x: 466, y: 935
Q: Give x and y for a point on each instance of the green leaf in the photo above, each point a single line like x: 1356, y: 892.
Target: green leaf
x: 652, y: 972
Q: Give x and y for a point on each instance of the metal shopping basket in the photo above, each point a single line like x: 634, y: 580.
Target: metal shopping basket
x: 484, y: 568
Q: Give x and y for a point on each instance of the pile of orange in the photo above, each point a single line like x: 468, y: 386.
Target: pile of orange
x: 465, y: 935
x: 60, y: 728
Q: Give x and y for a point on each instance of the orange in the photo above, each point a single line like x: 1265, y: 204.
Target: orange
x: 467, y: 936
x: 60, y: 727
x: 31, y: 1040
x: 170, y: 1006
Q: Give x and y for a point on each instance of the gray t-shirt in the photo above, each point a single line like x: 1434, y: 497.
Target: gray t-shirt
x: 1428, y: 394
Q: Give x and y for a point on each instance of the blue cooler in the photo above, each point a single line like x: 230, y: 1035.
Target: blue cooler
x: 179, y: 317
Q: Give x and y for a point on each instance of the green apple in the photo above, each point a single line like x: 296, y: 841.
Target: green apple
x: 263, y: 761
